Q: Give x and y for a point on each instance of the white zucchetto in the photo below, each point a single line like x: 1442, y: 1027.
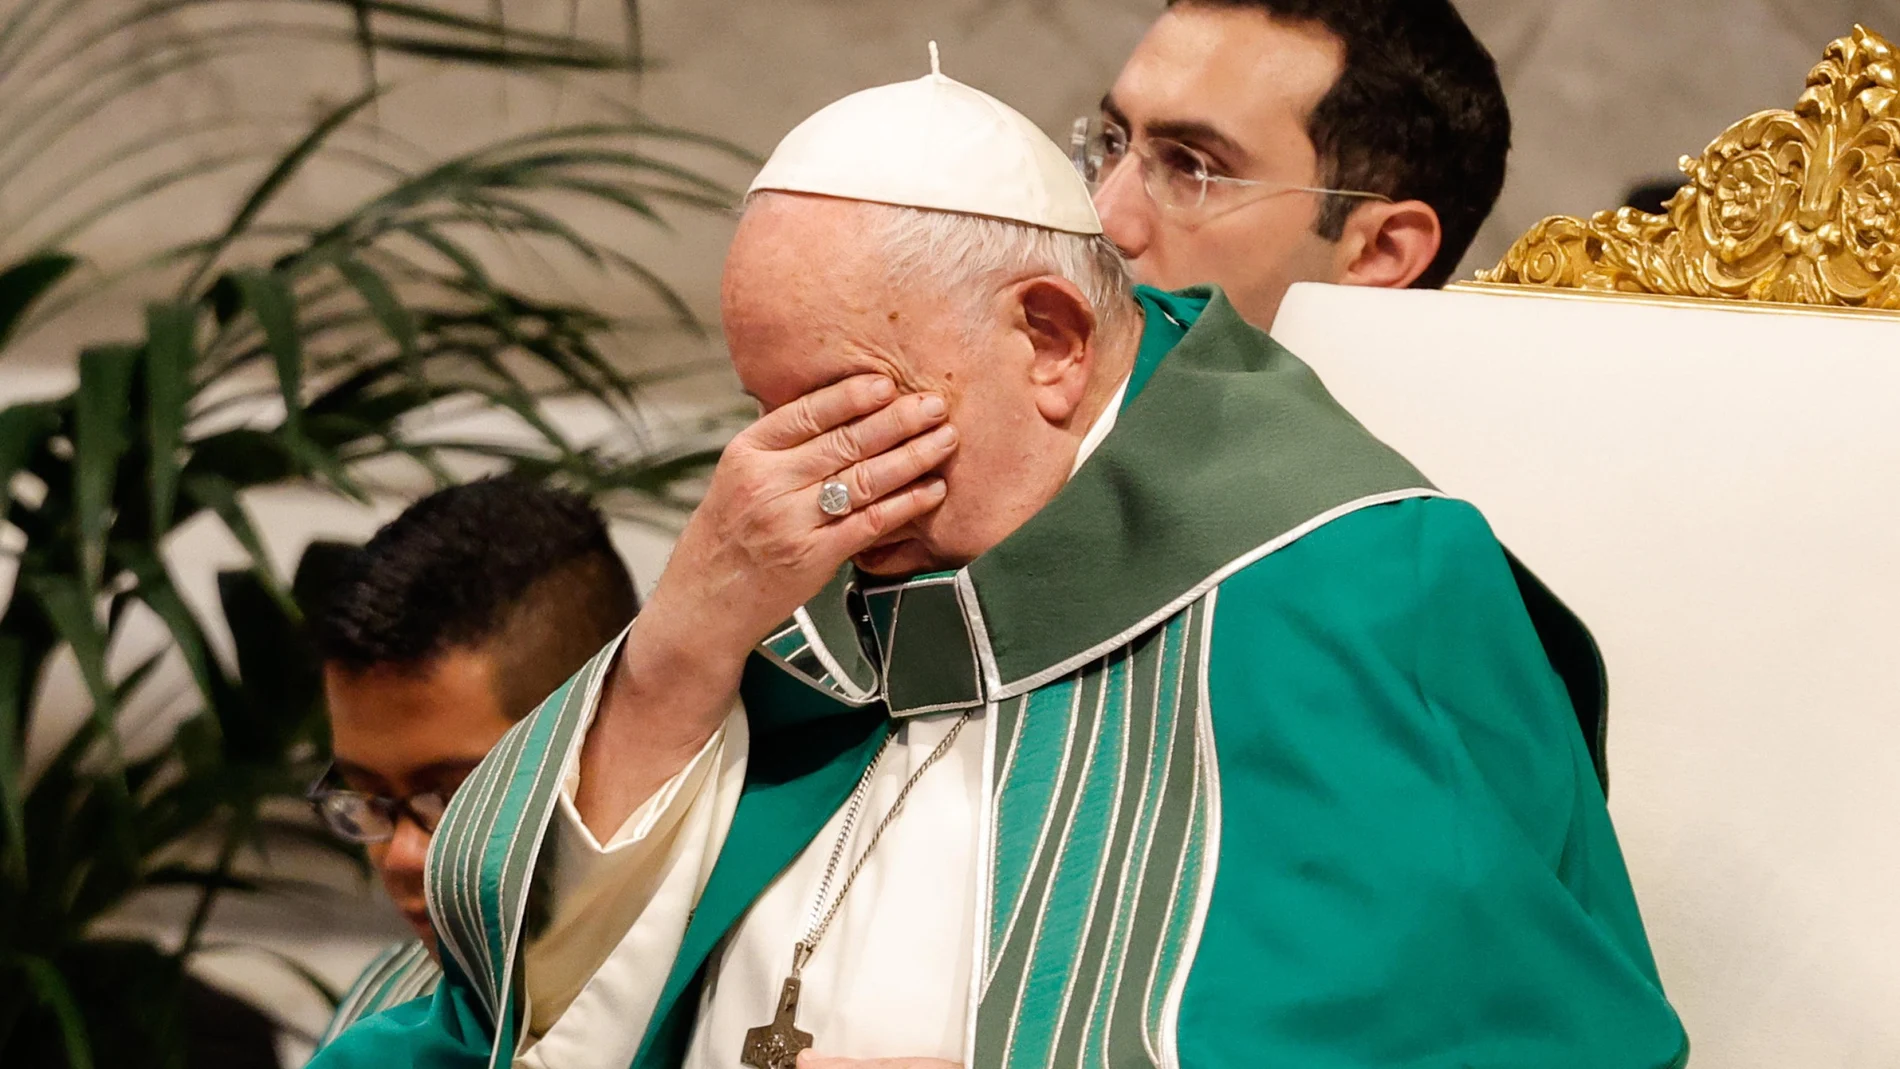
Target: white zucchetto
x: 937, y: 144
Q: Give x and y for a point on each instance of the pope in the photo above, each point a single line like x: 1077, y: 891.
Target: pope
x: 1053, y: 675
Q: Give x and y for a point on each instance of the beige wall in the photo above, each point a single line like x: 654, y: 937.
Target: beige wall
x: 1604, y: 93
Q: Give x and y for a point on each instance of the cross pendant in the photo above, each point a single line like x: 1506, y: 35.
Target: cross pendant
x: 776, y: 1045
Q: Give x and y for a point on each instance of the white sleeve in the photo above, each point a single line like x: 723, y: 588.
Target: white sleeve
x: 618, y: 910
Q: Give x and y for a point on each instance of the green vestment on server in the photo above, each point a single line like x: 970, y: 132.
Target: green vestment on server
x: 1288, y: 764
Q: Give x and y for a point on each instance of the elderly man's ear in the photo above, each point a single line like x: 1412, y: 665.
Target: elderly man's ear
x: 1060, y: 326
x: 1388, y: 245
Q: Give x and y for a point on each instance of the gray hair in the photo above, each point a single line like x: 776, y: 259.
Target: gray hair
x: 956, y: 253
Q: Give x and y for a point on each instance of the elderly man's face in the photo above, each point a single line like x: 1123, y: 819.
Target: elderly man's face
x: 807, y: 301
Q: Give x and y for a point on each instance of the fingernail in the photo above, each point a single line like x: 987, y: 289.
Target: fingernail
x: 884, y: 390
x: 934, y: 488
x: 944, y: 437
x: 934, y: 406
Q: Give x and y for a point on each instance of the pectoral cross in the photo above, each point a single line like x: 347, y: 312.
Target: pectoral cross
x: 776, y: 1045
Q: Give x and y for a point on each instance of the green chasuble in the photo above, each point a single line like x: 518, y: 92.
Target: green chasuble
x: 1288, y: 763
x: 399, y: 974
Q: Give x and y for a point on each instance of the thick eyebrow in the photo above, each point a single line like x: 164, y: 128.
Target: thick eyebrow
x: 1201, y: 135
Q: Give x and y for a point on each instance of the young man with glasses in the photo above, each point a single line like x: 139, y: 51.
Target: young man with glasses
x: 453, y: 623
x: 1258, y: 143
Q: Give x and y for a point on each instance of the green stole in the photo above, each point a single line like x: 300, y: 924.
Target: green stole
x: 1081, y: 634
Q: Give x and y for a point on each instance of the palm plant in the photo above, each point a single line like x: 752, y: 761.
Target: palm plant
x: 273, y: 350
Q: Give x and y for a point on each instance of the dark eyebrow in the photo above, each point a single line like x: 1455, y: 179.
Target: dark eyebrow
x: 1201, y: 135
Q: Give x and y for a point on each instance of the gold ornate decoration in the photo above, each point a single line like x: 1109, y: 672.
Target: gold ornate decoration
x: 1795, y: 207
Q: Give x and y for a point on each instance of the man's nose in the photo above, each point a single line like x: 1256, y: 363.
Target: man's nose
x: 407, y: 851
x: 1126, y: 210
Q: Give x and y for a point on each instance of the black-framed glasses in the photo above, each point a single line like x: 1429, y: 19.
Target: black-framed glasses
x: 371, y: 818
x: 1177, y: 176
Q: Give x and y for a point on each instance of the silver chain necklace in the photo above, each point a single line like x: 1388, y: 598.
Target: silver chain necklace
x: 776, y: 1045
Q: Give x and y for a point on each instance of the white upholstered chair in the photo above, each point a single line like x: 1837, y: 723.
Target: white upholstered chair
x: 1689, y: 426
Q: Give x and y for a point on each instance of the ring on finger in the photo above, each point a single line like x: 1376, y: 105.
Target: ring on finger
x: 834, y: 498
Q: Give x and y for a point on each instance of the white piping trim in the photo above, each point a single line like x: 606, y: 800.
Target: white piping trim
x: 590, y: 705
x: 1095, y: 652
x: 1210, y: 856
x: 836, y: 693
x: 1062, y: 851
x: 852, y: 690
x: 1180, y: 865
x: 908, y: 584
x: 469, y: 855
x: 980, y: 931
x: 941, y: 707
x: 980, y: 637
x: 884, y: 655
x: 1101, y: 866
x: 1130, y: 896
x: 1009, y: 758
x: 1042, y: 836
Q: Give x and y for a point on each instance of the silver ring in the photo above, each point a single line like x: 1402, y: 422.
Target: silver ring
x: 834, y: 499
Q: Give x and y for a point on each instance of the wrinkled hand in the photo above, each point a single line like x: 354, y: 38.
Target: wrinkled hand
x: 812, y: 1060
x: 758, y: 547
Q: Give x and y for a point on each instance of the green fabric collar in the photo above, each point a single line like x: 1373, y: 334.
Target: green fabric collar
x: 1166, y: 319
x: 1224, y: 444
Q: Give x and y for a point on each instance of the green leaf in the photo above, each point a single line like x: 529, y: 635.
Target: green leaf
x: 327, y: 466
x: 220, y: 496
x: 68, y: 604
x: 50, y: 990
x: 243, y: 458
x: 170, y: 354
x: 12, y: 770
x: 286, y: 169
x: 155, y: 589
x: 26, y: 282
x: 23, y: 429
x: 100, y: 439
x: 388, y: 310
x: 270, y: 299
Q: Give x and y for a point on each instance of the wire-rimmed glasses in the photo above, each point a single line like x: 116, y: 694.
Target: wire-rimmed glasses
x: 1177, y: 176
x: 370, y: 818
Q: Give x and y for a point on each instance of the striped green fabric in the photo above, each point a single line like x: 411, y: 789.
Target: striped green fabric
x: 1100, y: 824
x: 1087, y: 636
x: 483, y: 853
x: 400, y: 973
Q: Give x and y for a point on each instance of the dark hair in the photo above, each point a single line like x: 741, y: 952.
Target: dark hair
x: 501, y: 563
x: 1418, y: 113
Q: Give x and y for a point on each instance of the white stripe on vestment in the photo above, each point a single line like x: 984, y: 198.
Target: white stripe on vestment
x: 1055, y: 869
x: 1209, y: 766
x: 1115, y: 821
x: 1048, y: 821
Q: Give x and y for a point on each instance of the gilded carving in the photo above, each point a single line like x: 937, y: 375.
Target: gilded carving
x: 1796, y: 207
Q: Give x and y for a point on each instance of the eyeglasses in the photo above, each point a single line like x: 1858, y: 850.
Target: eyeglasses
x: 1178, y: 177
x: 370, y: 818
